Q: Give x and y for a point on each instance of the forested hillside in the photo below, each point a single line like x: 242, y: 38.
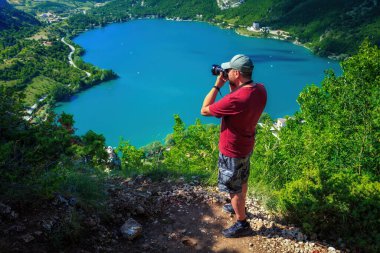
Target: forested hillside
x: 15, y: 24
x: 330, y: 27
x: 10, y: 18
x: 333, y: 27
x: 321, y: 172
x: 33, y: 60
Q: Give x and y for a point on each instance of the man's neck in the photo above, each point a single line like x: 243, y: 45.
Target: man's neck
x: 245, y: 82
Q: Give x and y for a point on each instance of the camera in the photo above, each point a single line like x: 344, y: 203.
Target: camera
x: 216, y: 69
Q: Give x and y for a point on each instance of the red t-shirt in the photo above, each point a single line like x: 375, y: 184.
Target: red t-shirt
x: 240, y: 111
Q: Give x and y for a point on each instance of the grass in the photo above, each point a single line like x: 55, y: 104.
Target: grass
x: 244, y: 31
x: 39, y: 87
x: 8, y: 83
x: 42, y: 34
x: 56, y: 5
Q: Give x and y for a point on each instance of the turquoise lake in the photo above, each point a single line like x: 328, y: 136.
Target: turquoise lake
x: 164, y: 68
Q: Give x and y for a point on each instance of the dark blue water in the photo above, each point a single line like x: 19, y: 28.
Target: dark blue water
x: 164, y: 69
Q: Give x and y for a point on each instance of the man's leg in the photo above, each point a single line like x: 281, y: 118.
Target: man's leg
x: 241, y: 227
x: 238, y: 203
x: 244, y: 189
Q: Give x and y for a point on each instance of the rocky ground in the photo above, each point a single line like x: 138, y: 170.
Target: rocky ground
x: 146, y: 216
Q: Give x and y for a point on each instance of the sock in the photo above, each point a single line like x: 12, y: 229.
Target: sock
x: 243, y: 222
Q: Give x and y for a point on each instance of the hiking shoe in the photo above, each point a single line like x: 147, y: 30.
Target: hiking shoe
x: 239, y: 229
x: 227, y: 208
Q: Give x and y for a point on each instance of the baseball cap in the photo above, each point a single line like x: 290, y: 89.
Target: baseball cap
x: 239, y: 62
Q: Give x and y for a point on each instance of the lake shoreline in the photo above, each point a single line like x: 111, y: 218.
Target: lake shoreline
x: 127, y: 55
x: 295, y: 42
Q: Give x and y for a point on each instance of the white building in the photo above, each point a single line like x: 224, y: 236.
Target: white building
x: 281, y: 122
x: 265, y: 29
x: 255, y: 26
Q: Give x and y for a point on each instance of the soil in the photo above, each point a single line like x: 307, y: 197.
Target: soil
x: 174, y: 216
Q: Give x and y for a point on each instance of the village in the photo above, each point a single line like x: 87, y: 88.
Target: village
x: 280, y: 34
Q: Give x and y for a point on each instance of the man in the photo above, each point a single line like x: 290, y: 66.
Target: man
x: 240, y: 111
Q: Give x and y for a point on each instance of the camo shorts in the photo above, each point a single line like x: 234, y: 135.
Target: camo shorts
x: 233, y: 172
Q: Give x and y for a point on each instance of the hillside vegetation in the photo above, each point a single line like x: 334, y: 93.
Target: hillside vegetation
x: 321, y: 173
x: 39, y: 65
x: 332, y: 27
x: 329, y: 27
x: 15, y: 24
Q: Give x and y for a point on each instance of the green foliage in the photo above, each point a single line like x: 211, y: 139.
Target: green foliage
x: 193, y: 151
x: 188, y: 152
x: 86, y: 188
x: 91, y: 148
x: 323, y: 171
x: 131, y: 157
x: 38, y: 160
x: 15, y: 24
x: 44, y: 70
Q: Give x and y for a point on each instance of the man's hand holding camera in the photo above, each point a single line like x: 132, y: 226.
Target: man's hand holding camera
x: 221, y: 80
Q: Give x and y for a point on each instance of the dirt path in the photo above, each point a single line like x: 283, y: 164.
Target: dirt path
x: 196, y: 228
x: 193, y: 220
x: 175, y: 217
x: 191, y: 228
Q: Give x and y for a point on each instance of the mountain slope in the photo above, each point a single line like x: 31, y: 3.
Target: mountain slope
x: 15, y: 25
x: 331, y: 26
x: 10, y: 18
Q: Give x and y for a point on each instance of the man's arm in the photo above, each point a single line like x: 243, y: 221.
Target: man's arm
x: 210, y: 97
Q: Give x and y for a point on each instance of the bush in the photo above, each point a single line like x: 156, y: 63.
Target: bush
x: 323, y: 171
x: 193, y: 151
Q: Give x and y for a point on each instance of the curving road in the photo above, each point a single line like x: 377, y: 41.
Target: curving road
x: 70, y: 56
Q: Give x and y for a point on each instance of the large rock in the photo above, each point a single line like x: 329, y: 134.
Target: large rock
x: 7, y: 212
x: 131, y: 229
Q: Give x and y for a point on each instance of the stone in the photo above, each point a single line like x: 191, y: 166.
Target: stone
x: 59, y: 199
x: 140, y: 209
x: 27, y: 238
x: 47, y: 224
x: 4, y: 209
x: 38, y: 233
x: 182, y: 231
x: 7, y: 213
x: 17, y: 228
x: 188, y: 241
x: 131, y: 229
x: 72, y: 201
x: 173, y: 236
x: 145, y: 246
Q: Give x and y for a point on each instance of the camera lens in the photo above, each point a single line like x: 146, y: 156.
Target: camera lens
x: 216, y: 69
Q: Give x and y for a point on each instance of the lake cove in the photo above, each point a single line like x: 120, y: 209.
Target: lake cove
x: 164, y: 68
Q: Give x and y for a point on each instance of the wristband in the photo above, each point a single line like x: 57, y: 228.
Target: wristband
x: 216, y: 87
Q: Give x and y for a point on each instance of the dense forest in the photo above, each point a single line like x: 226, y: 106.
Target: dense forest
x: 15, y: 24
x: 321, y: 172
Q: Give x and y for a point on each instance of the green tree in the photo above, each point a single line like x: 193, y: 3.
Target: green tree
x: 131, y: 157
x: 193, y: 151
x: 92, y: 148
